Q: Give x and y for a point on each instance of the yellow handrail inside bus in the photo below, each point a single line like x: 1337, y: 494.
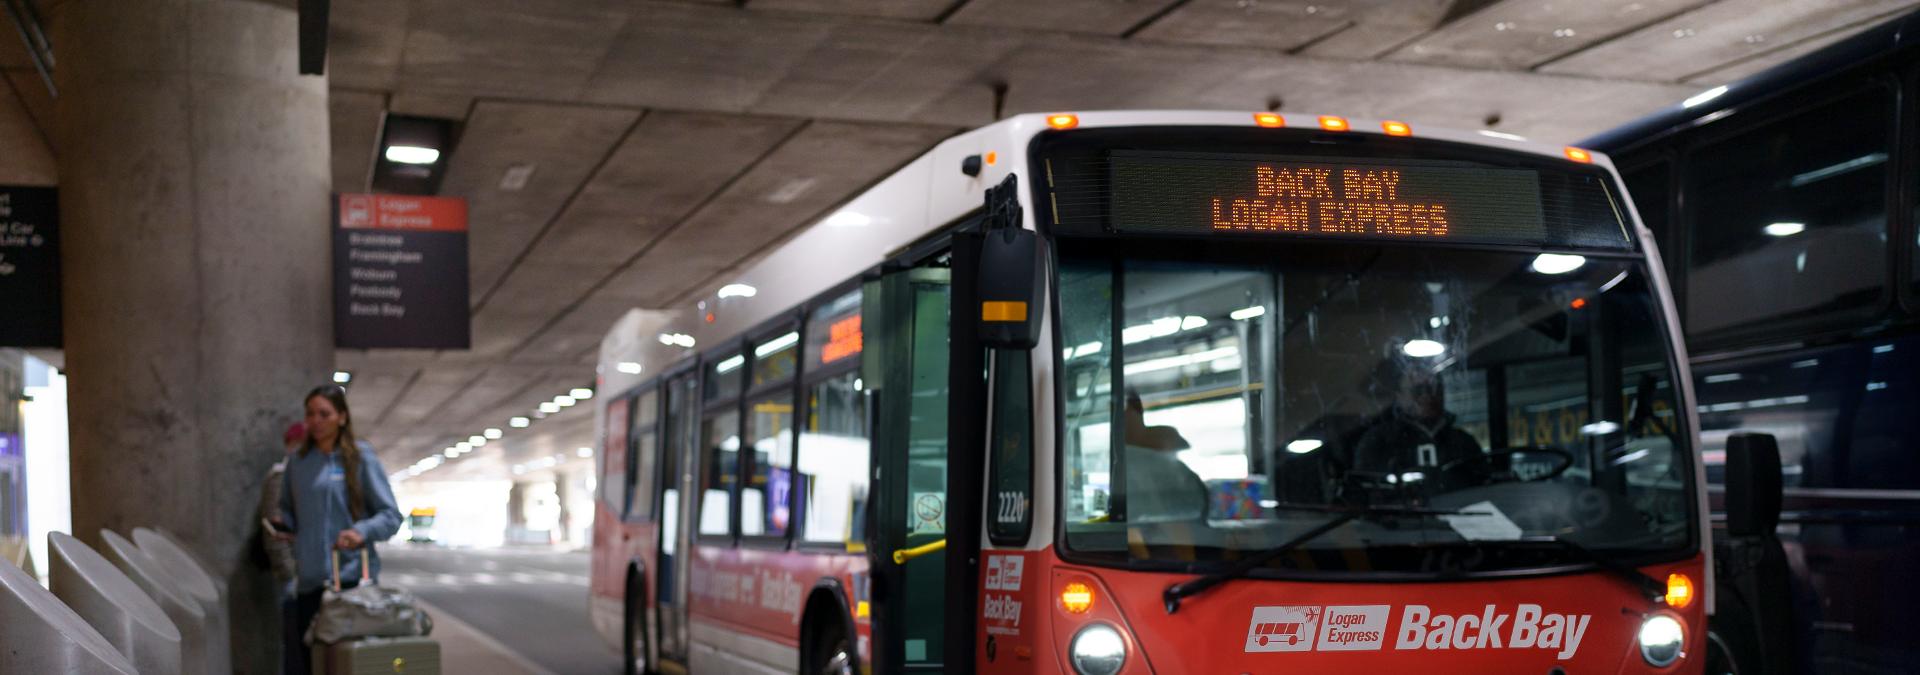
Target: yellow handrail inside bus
x: 901, y: 556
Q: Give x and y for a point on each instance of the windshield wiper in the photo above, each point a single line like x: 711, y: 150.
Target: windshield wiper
x: 1648, y: 586
x: 1180, y: 591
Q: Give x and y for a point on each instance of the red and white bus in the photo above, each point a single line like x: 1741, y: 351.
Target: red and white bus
x: 1174, y: 392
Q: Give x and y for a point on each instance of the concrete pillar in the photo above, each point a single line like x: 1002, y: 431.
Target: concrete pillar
x: 563, y: 493
x: 194, y: 180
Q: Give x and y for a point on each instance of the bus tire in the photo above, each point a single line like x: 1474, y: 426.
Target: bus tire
x: 635, y: 635
x: 832, y: 652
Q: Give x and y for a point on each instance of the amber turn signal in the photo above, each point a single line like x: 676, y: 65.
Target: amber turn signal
x: 1063, y: 121
x: 1077, y: 598
x: 1679, y: 591
x: 1269, y: 120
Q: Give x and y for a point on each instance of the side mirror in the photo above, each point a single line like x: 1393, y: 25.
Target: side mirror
x: 1010, y: 274
x: 1753, y: 484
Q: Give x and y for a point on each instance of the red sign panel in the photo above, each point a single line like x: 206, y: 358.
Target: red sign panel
x: 402, y: 212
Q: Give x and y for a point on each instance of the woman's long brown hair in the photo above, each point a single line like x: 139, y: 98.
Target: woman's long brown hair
x: 343, y: 443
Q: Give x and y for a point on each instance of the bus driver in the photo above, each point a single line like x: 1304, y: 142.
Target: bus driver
x: 1414, y: 438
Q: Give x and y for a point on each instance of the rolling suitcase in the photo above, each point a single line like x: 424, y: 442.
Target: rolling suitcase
x: 381, y: 656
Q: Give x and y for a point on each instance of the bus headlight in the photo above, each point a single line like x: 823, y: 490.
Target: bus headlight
x: 1097, y: 650
x: 1660, y: 640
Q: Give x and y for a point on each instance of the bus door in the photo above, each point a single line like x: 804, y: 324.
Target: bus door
x: 910, y: 459
x: 671, y: 565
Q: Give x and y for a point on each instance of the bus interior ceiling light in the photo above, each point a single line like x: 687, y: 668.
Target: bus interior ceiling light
x: 412, y: 154
x: 628, y: 367
x: 1097, y: 650
x: 1331, y: 123
x: 1704, y: 96
x: 1063, y: 121
x: 730, y: 363
x: 1786, y: 229
x: 1423, y: 348
x: 581, y: 393
x: 771, y: 346
x: 1555, y: 263
x: 737, y: 291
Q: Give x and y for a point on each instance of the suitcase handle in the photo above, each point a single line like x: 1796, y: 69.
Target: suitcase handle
x: 365, y: 571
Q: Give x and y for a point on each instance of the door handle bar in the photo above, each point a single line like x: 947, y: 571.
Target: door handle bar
x: 901, y: 556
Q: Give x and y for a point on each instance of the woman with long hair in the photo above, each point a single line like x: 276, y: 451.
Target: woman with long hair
x: 336, y: 498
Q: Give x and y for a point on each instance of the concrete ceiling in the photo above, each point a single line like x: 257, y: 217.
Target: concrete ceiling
x: 674, y: 142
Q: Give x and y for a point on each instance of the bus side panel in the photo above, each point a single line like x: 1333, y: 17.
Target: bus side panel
x: 606, y: 584
x: 761, y: 593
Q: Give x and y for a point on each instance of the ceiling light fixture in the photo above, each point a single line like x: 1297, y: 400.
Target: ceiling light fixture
x: 342, y: 376
x: 1786, y: 229
x: 737, y: 291
x: 581, y: 393
x: 549, y: 407
x: 411, y: 154
x: 564, y: 401
x: 628, y: 367
x: 586, y: 452
x: 518, y: 422
x: 491, y: 433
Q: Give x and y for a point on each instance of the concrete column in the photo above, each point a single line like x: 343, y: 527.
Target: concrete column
x: 563, y: 493
x: 194, y: 180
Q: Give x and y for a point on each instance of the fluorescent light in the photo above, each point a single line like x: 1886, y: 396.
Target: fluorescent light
x: 681, y: 339
x: 1824, y: 173
x: 477, y: 441
x: 1248, y: 313
x: 1085, y: 350
x: 776, y: 344
x: 1151, y: 365
x: 1554, y: 263
x: 491, y: 433
x: 1304, y: 445
x: 1192, y: 322
x: 581, y: 394
x: 586, y: 452
x: 1423, y: 348
x: 1159, y: 328
x: 849, y: 219
x: 737, y: 291
x: 450, y: 452
x: 628, y: 367
x: 463, y: 446
x: 1786, y: 229
x: 549, y: 407
x: 519, y: 468
x: 1728, y: 377
x: 730, y: 363
x: 1412, y: 476
x: 564, y: 401
x: 410, y: 154
x: 342, y: 377
x: 1600, y: 428
x: 1496, y: 134
x: 1704, y: 96
x: 518, y: 422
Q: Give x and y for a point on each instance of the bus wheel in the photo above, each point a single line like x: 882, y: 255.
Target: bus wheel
x: 832, y: 654
x: 1720, y: 659
x: 636, y: 633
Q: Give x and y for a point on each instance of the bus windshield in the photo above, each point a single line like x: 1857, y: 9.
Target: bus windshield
x: 1259, y: 388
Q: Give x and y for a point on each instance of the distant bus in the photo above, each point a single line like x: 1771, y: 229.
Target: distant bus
x: 420, y: 525
x: 1785, y: 206
x: 1175, y: 392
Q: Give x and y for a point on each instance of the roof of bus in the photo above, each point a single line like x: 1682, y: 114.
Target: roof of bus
x: 1832, y: 60
x: 914, y: 202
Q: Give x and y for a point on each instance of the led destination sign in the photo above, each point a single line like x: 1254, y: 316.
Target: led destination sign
x: 1188, y: 194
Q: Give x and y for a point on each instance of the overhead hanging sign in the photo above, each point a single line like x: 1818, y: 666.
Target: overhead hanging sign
x: 29, y: 267
x: 400, y: 273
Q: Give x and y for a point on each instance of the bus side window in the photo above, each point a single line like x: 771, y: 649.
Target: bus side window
x: 641, y: 458
x: 1010, y: 503
x: 832, y: 467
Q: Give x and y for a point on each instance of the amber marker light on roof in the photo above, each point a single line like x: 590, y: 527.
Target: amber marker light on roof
x: 1679, y: 591
x: 1396, y: 129
x: 1269, y: 120
x: 1063, y: 121
x: 1331, y: 123
x: 1579, y: 155
x: 1077, y: 598
x: 992, y: 158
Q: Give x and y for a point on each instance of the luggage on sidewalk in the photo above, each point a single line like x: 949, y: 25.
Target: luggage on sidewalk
x: 367, y: 610
x: 382, y: 656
